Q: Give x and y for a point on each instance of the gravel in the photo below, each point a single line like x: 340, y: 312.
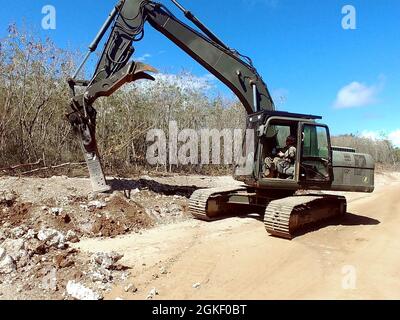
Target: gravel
x: 80, y: 292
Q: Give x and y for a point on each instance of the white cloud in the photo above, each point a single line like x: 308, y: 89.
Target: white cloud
x: 357, y: 94
x: 373, y: 135
x: 187, y: 81
x: 393, y: 136
x: 184, y: 81
x: 144, y: 57
x: 280, y: 95
x: 209, y: 77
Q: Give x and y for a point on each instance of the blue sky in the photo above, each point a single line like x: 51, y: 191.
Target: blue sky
x: 350, y: 77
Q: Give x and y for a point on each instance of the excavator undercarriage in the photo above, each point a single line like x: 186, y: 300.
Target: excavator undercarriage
x: 284, y: 213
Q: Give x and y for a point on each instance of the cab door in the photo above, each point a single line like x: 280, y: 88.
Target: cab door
x: 315, y: 165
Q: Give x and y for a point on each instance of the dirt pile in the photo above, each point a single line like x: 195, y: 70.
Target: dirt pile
x: 41, y: 218
x: 39, y: 265
x: 67, y: 204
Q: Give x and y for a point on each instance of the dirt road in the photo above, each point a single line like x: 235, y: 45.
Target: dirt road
x: 357, y: 258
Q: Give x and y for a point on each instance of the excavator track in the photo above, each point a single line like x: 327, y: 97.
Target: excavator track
x: 200, y: 206
x: 285, y: 217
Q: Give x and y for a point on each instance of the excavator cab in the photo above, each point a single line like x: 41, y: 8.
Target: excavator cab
x: 311, y: 164
x: 317, y: 165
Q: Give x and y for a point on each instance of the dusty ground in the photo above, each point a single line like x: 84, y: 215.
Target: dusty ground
x: 166, y: 252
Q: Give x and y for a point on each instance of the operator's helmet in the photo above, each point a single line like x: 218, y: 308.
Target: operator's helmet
x: 291, y: 140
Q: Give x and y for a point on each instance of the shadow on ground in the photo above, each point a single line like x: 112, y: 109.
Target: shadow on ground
x: 127, y: 185
x: 349, y: 219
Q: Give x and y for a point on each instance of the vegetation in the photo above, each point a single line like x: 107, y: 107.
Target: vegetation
x: 34, y: 98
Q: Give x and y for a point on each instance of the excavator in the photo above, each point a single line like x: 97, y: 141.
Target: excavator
x: 290, y: 201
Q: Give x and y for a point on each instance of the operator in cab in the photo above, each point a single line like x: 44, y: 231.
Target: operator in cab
x: 283, y: 164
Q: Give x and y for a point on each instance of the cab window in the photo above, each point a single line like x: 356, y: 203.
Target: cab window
x: 315, y: 154
x: 315, y: 142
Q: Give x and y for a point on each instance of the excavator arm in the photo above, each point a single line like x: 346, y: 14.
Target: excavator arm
x: 114, y: 68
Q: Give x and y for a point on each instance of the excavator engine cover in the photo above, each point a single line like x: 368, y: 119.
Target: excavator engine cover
x: 353, y: 172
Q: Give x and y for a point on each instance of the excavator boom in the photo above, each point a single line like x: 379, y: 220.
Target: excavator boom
x: 234, y: 70
x: 127, y: 22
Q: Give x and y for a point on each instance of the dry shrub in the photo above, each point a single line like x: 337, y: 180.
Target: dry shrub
x: 34, y: 96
